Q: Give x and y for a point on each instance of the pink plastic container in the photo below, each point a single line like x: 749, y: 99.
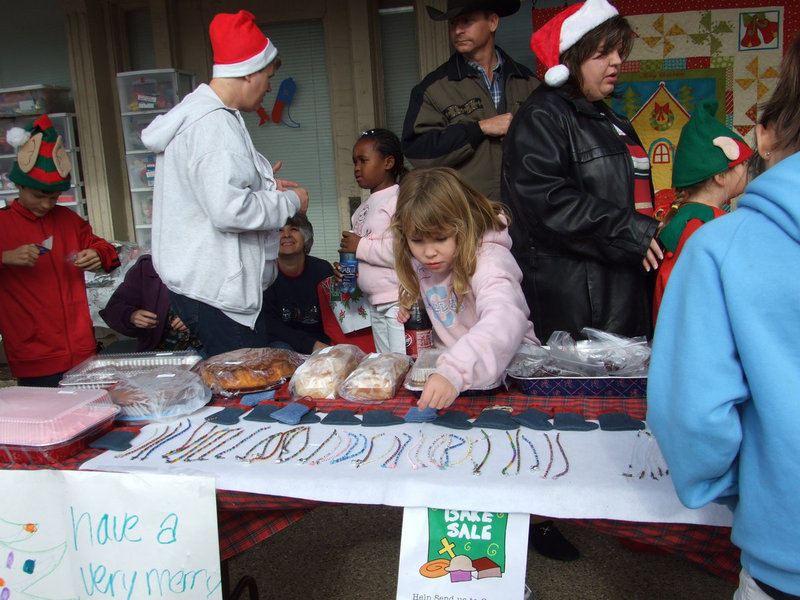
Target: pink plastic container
x: 47, y: 425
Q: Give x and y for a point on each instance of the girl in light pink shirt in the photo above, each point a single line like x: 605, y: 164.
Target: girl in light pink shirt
x: 377, y: 166
x: 452, y: 249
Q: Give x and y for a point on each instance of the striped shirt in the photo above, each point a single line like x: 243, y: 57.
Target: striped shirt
x: 642, y: 192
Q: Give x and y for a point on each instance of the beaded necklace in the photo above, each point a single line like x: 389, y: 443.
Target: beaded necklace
x: 288, y: 440
x: 253, y: 449
x: 564, y: 454
x: 366, y: 460
x: 192, y: 445
x: 240, y: 442
x: 535, y: 454
x: 351, y: 450
x: 415, y: 464
x: 396, y: 456
x: 550, y: 462
x: 187, y: 445
x: 327, y: 457
x: 320, y: 447
x: 143, y: 451
x: 513, y: 456
x: 226, y: 437
x: 211, y: 439
x: 477, y: 469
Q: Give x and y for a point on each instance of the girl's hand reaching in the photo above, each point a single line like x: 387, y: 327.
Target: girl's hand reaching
x: 438, y: 393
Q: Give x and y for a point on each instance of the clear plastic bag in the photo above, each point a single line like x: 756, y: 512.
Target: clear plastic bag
x: 376, y: 378
x: 621, y: 356
x: 321, y: 374
x: 602, y: 355
x: 163, y: 393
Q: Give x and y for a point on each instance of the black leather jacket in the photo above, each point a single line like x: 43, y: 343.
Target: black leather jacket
x: 568, y: 180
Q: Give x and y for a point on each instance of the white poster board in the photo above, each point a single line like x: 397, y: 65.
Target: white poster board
x: 79, y: 535
x: 462, y: 555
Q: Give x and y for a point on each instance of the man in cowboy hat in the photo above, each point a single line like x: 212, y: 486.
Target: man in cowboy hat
x: 217, y: 205
x: 459, y: 113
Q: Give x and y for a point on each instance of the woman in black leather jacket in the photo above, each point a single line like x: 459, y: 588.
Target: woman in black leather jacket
x: 581, y: 203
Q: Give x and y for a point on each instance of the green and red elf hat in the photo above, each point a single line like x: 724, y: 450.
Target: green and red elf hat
x: 706, y: 147
x: 42, y: 162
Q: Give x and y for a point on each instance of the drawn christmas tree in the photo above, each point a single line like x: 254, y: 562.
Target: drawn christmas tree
x: 21, y: 568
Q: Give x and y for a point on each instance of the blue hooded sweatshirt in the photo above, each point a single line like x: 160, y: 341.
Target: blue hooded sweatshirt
x: 725, y: 373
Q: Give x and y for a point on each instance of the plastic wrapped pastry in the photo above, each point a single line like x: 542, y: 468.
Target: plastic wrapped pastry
x: 321, y: 374
x: 249, y: 370
x: 376, y: 378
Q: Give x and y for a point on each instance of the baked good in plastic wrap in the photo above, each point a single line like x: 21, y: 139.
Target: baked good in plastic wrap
x: 163, y: 393
x: 424, y: 367
x: 249, y: 370
x: 376, y: 378
x: 321, y: 374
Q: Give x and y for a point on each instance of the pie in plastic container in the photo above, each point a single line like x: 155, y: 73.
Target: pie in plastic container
x: 48, y: 425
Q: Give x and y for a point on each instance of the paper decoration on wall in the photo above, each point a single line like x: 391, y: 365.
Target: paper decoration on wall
x: 283, y: 101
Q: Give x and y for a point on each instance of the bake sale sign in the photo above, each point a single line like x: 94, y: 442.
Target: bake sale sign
x: 450, y: 554
x: 69, y: 535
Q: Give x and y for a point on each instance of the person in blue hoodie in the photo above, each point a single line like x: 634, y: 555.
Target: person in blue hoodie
x: 725, y: 367
x: 217, y: 206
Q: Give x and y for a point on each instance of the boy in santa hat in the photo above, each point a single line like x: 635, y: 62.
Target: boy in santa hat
x: 44, y: 313
x: 217, y: 206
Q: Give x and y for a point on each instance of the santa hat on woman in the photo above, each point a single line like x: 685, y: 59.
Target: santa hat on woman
x: 240, y: 47
x: 564, y: 31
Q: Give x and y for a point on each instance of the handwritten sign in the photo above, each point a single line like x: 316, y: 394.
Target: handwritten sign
x: 462, y: 555
x: 78, y: 534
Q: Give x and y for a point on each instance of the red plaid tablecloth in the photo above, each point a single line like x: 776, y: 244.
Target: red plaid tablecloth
x: 246, y: 519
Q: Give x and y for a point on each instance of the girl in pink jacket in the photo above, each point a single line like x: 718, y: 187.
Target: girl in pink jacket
x: 377, y: 167
x: 452, y: 249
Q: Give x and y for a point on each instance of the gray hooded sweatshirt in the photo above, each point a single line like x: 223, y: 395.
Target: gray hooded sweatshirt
x: 216, y: 207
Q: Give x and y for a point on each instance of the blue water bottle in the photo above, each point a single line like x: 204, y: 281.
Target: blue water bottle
x: 348, y: 266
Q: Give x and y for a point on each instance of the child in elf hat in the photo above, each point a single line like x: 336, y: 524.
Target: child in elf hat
x: 44, y: 313
x: 710, y: 169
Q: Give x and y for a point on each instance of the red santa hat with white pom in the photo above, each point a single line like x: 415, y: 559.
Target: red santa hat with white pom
x: 240, y: 47
x: 563, y: 31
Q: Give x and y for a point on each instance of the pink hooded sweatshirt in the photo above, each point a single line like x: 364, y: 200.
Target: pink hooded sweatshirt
x: 377, y: 277
x: 482, y: 338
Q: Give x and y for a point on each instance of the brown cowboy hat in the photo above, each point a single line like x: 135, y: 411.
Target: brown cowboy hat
x: 455, y: 8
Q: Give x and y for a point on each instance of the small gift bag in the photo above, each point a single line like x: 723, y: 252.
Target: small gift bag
x: 351, y: 310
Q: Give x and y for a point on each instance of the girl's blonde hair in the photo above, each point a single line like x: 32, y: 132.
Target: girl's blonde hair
x: 439, y: 203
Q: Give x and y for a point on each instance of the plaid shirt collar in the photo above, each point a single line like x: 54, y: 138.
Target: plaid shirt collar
x: 495, y: 87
